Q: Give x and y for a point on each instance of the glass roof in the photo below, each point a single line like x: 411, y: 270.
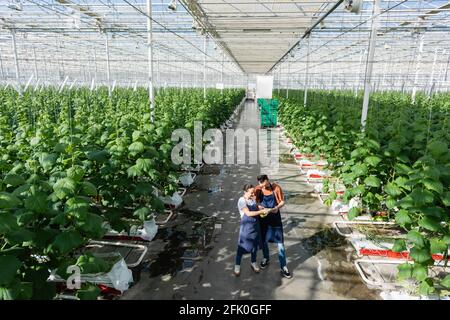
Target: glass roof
x: 74, y: 40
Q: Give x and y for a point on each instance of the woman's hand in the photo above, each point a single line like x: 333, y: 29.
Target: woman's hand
x: 264, y: 213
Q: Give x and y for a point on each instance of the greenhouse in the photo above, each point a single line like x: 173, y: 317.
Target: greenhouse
x: 150, y: 148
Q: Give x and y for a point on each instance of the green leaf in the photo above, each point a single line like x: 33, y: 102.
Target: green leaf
x: 143, y: 188
x: 372, y: 160
x: 17, y: 290
x: 34, y: 141
x: 419, y: 272
x: 391, y: 203
x: 446, y: 281
x: 8, y: 201
x: 430, y: 223
x: 372, y: 181
x: 353, y: 213
x: 37, y: 203
x: 437, y: 246
x: 402, y: 217
x: 21, y: 190
x: 60, y: 148
x: 99, y: 156
x: 90, y: 293
x: 14, y: 180
x: 416, y: 238
x: 8, y: 223
x: 47, y: 160
x: 92, y: 225
x: 432, y: 172
x: 144, y: 165
x: 432, y: 212
x: 136, y: 135
x: 420, y: 255
x: 67, y: 241
x: 142, y: 213
x: 445, y: 197
x: 446, y: 239
x: 88, y: 189
x: 404, y: 271
x: 373, y: 144
x: 75, y: 173
x: 64, y: 188
x: 402, y: 182
x: 136, y: 147
x: 421, y: 196
x: 90, y: 264
x: 426, y: 287
x: 9, y: 266
x: 399, y: 245
x: 25, y: 291
x: 392, y: 189
x: 360, y: 170
x: 18, y: 237
x: 437, y: 148
x: 134, y: 171
x: 433, y: 185
x: 78, y: 204
x: 402, y: 168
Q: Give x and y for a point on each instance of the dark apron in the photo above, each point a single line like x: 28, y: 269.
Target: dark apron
x: 271, y: 225
x: 249, y: 232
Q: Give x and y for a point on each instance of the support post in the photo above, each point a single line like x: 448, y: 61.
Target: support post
x: 28, y: 83
x: 221, y: 76
x: 369, y: 62
x: 158, y: 81
x: 63, y: 84
x: 92, y: 84
x: 16, y: 60
x: 150, y: 60
x: 416, y: 77
x: 35, y: 63
x: 95, y: 64
x: 287, y: 80
x: 307, y: 74
x: 204, y: 67
x: 1, y: 67
x: 73, y: 83
x: 108, y: 70
x: 279, y: 79
x: 431, y: 85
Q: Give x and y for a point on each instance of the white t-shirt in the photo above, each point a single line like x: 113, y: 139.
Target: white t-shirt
x: 243, y: 203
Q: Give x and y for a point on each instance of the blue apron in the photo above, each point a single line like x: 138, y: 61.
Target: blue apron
x: 249, y: 232
x: 271, y: 225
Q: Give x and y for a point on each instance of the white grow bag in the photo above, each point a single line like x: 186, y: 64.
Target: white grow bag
x: 187, y: 179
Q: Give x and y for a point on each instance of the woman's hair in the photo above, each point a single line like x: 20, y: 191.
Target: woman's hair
x: 247, y: 186
x: 262, y: 178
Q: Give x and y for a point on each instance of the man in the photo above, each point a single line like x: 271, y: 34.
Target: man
x: 269, y: 195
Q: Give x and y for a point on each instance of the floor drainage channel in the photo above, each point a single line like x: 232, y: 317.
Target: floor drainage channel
x: 187, y: 242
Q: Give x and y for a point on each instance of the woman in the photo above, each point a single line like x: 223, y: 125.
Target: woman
x: 249, y: 232
x: 270, y: 196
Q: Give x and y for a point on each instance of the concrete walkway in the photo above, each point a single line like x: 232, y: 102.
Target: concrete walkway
x: 320, y: 261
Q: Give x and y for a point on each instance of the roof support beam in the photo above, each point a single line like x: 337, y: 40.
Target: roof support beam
x: 308, y: 31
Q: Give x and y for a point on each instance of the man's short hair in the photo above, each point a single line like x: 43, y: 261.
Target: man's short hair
x: 261, y: 178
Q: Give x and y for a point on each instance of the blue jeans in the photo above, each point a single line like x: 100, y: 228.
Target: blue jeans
x: 281, y: 253
x: 241, y: 251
